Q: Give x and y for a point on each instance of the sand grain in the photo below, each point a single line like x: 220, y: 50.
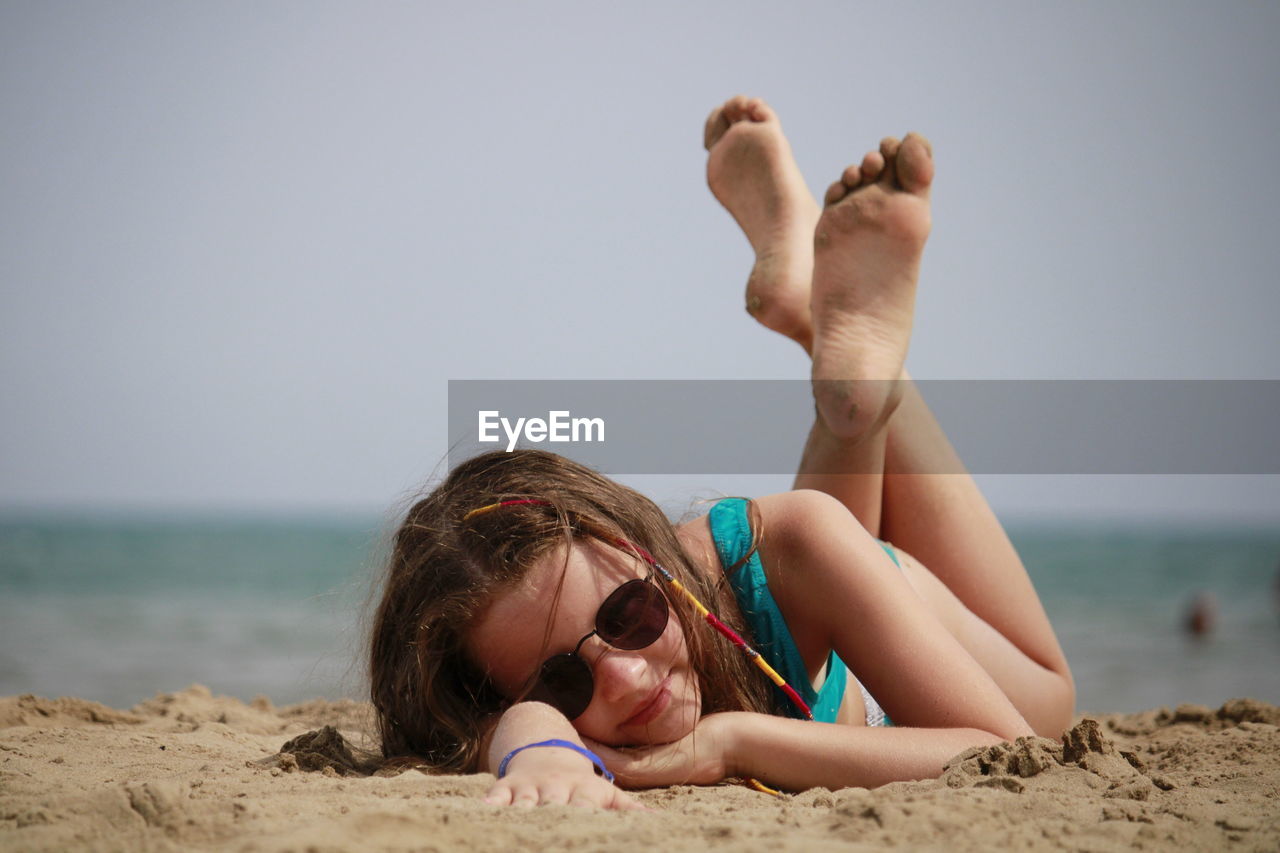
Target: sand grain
x: 191, y: 770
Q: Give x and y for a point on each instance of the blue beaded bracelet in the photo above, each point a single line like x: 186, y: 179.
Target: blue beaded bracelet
x: 567, y: 744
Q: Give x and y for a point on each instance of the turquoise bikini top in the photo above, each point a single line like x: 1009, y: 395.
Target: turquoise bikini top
x: 731, y: 530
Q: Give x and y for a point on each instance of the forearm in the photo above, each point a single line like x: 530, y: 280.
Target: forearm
x: 797, y: 754
x: 525, y: 723
x: 550, y: 776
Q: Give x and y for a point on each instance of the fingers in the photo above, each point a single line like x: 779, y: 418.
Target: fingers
x: 595, y: 794
x: 582, y: 800
x: 548, y: 782
x: 615, y: 799
x: 520, y: 796
x: 526, y: 796
x: 499, y: 795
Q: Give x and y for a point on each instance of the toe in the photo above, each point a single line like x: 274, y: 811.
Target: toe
x: 852, y: 176
x: 715, y: 127
x: 915, y: 163
x: 761, y: 111
x: 731, y: 111
x: 922, y: 139
x: 872, y: 165
x: 889, y: 150
x: 835, y: 192
x: 735, y: 108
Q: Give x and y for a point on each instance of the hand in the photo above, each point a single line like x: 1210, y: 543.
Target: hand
x: 552, y: 776
x: 699, y: 758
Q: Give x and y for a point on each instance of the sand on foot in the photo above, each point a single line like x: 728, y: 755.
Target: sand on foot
x: 192, y: 770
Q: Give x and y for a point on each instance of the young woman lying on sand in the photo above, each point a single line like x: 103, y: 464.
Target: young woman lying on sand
x: 527, y: 627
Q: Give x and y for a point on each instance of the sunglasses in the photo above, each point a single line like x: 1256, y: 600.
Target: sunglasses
x: 629, y: 615
x: 632, y: 617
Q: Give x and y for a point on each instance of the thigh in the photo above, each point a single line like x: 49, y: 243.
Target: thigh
x: 1029, y: 686
x: 985, y: 643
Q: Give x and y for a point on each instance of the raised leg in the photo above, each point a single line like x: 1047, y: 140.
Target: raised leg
x: 752, y: 172
x: 877, y: 448
x: 868, y: 244
x: 933, y: 508
x: 867, y: 249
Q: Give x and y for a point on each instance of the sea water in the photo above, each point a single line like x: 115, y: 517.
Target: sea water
x: 116, y: 610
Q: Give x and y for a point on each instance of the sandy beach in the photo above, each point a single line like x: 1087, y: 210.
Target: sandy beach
x: 192, y: 770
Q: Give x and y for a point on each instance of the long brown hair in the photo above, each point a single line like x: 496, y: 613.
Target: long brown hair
x: 431, y: 702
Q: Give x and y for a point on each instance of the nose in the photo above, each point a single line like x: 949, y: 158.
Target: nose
x: 618, y: 674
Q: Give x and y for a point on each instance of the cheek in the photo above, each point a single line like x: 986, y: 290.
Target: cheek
x: 671, y: 649
x: 681, y: 655
x: 676, y: 653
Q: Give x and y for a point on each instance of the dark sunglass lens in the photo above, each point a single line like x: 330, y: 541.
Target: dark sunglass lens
x: 633, y: 616
x: 564, y: 683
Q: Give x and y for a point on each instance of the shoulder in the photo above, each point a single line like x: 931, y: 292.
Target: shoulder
x: 794, y: 536
x: 791, y: 518
x: 780, y: 523
x: 812, y: 536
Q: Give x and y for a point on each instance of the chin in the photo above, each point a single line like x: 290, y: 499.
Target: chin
x: 677, y: 721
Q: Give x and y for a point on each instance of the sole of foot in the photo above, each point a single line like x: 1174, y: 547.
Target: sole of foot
x: 867, y: 248
x: 752, y: 172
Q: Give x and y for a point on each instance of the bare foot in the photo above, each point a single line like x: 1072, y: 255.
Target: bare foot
x: 752, y: 172
x: 867, y: 249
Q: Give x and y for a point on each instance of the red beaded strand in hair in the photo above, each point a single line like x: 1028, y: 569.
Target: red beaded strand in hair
x: 732, y: 635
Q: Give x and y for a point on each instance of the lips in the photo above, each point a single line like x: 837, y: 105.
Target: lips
x: 653, y: 705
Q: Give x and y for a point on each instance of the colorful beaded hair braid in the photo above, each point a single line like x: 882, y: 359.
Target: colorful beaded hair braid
x: 709, y: 617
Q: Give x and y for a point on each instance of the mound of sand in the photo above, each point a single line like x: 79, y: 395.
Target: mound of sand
x: 193, y: 770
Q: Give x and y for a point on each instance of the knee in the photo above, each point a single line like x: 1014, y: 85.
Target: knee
x: 1060, y: 709
x: 855, y: 409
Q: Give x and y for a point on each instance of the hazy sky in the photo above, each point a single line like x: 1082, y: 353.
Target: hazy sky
x: 246, y: 245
